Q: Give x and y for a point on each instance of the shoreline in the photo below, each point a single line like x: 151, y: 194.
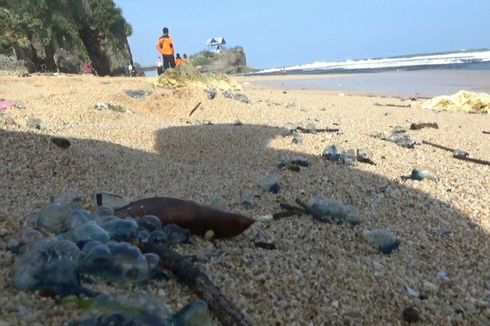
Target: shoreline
x: 319, y: 273
x: 416, y: 83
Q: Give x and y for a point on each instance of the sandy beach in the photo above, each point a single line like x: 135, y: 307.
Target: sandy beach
x: 319, y: 274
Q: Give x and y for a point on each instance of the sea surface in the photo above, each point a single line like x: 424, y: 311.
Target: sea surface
x: 423, y: 75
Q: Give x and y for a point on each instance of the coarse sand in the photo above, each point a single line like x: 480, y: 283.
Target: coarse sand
x: 320, y: 274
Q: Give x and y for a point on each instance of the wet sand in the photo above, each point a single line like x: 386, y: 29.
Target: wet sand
x: 319, y: 273
x: 420, y: 83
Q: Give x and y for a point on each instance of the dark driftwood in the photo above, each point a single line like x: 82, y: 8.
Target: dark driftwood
x: 292, y: 207
x: 308, y: 131
x: 394, y: 105
x: 195, y: 108
x: 418, y: 126
x: 469, y: 159
x: 486, y: 132
x: 309, y: 210
x: 198, y: 281
x: 282, y: 214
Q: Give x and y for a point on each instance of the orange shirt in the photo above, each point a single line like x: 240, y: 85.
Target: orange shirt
x: 178, y: 61
x: 165, y: 45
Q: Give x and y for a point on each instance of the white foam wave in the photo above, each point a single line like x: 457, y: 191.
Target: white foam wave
x: 394, y: 62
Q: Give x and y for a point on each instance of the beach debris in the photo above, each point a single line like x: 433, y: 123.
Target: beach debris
x: 457, y: 153
x: 138, y: 94
x: 150, y: 223
x: 109, y: 199
x: 383, y: 240
x: 293, y: 167
x: 308, y: 129
x: 237, y: 123
x: 297, y: 139
x: 281, y: 162
x: 50, y: 266
x: 61, y: 142
x: 211, y: 93
x: 462, y: 101
x: 219, y: 203
x: 460, y: 154
x: 421, y: 125
x: 333, y: 153
x: 6, y: 104
x: 195, y: 108
x: 270, y: 183
x: 228, y: 94
x: 122, y: 308
x: 412, y: 292
x: 197, y: 280
x: 398, y: 136
x: 249, y: 201
x: 188, y: 214
x: 34, y: 123
x: 365, y: 156
x: 55, y: 216
x: 393, y: 105
x: 241, y: 98
x: 195, y: 313
x: 301, y: 161
x: 18, y: 242
x: 411, y: 315
x: 420, y: 174
x: 288, y: 129
x: 486, y: 132
x: 265, y: 245
x: 330, y: 210
x: 112, y: 107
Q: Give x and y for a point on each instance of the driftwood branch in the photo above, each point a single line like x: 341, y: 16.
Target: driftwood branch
x: 195, y: 108
x: 418, y: 126
x: 469, y: 159
x: 309, y: 210
x: 486, y: 132
x: 394, y: 105
x: 308, y: 131
x: 191, y: 275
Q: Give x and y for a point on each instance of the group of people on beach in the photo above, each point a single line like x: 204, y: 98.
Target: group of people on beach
x: 165, y: 46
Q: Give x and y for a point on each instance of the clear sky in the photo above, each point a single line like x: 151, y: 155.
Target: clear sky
x: 279, y: 33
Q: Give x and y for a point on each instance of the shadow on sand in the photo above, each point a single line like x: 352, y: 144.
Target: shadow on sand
x: 320, y: 273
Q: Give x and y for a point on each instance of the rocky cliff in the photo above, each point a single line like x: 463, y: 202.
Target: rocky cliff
x: 62, y: 34
x: 227, y: 61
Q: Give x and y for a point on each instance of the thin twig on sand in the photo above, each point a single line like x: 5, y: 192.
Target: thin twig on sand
x: 198, y: 281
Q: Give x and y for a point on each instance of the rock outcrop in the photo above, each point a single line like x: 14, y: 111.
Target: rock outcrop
x: 225, y: 61
x: 61, y: 35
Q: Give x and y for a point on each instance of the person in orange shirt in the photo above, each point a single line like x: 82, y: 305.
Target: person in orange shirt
x: 186, y: 58
x: 165, y: 45
x: 178, y: 59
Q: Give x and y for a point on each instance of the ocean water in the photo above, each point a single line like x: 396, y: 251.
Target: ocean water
x: 424, y: 75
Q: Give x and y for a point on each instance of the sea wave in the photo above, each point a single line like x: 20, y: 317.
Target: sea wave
x: 412, y: 61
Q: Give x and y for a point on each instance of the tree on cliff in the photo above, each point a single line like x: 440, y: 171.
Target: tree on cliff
x: 33, y: 30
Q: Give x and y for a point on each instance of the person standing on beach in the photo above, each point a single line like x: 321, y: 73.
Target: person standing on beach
x: 159, y: 66
x: 178, y: 59
x: 165, y: 45
x: 186, y: 58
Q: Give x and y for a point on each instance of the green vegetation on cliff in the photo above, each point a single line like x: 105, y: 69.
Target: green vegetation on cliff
x: 33, y: 30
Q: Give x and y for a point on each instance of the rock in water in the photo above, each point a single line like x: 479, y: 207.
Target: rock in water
x: 420, y: 174
x: 195, y: 313
x: 383, y: 240
x: 115, y: 201
x: 48, y: 264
